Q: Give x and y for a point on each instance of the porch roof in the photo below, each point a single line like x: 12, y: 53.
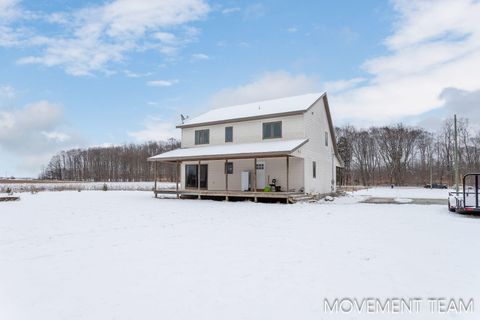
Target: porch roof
x: 233, y: 151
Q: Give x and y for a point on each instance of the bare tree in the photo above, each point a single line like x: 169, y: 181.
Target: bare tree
x: 115, y: 163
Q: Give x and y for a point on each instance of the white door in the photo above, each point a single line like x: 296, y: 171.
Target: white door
x: 260, y: 174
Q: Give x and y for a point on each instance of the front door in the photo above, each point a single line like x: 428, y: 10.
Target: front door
x: 260, y: 175
x: 191, y: 176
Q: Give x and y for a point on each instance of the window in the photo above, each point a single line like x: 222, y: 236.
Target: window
x: 314, y: 169
x: 272, y: 130
x: 202, y: 136
x: 229, y: 168
x: 228, y: 134
x: 326, y: 139
x: 191, y: 176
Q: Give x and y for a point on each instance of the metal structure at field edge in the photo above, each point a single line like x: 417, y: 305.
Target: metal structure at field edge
x: 466, y: 201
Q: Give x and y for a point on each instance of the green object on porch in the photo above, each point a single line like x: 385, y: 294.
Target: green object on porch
x: 267, y: 189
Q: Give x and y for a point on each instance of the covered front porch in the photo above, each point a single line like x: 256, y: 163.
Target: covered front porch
x: 272, y: 174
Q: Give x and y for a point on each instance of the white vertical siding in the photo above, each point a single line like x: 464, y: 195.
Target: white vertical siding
x: 275, y: 169
x: 246, y: 131
x: 316, y: 124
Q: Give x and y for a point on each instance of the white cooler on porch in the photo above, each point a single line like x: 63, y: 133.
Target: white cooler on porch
x: 245, y: 179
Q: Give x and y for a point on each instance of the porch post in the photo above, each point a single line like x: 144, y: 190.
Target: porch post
x: 155, y: 177
x: 226, y: 179
x: 255, y: 179
x: 198, y: 179
x: 176, y: 178
x: 288, y: 171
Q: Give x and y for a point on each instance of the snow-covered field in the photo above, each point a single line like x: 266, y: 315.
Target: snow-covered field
x: 403, y: 192
x: 62, y: 186
x: 125, y: 255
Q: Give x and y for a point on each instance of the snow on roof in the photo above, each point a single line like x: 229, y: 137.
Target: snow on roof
x: 256, y: 109
x: 281, y: 147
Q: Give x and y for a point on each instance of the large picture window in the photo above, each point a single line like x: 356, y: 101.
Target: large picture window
x: 228, y: 134
x: 202, y: 136
x: 272, y: 130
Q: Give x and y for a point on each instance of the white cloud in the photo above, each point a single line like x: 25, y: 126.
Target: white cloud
x: 155, y: 129
x: 162, y: 83
x: 292, y: 29
x: 56, y: 136
x: 270, y: 85
x: 435, y: 45
x: 35, y: 131
x: 200, y: 56
x: 95, y: 36
x: 7, y: 92
x: 9, y: 10
x: 165, y: 37
x: 341, y: 85
x: 132, y: 74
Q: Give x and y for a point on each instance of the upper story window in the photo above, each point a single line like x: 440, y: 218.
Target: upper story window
x: 202, y: 136
x: 272, y: 130
x: 228, y: 134
x: 326, y: 139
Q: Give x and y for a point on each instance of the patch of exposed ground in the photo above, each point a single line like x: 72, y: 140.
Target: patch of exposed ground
x: 382, y: 200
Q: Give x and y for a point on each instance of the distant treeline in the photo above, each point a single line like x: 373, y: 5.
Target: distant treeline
x: 395, y: 154
x: 403, y: 155
x: 112, y: 163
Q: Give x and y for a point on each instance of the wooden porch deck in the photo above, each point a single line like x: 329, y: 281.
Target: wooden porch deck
x: 288, y: 197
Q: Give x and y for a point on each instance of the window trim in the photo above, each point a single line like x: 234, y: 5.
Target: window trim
x: 272, y: 130
x: 231, y: 138
x: 197, y: 140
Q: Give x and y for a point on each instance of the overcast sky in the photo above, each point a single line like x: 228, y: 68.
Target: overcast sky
x: 82, y: 73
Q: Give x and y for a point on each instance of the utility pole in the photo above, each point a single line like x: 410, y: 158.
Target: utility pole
x: 456, y: 151
x: 431, y: 169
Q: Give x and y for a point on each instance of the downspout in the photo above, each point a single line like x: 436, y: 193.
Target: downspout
x: 332, y: 187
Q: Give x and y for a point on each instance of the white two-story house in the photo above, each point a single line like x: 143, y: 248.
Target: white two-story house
x: 275, y: 148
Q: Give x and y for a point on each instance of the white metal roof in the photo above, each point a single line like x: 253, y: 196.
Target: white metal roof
x: 232, y: 151
x: 256, y: 109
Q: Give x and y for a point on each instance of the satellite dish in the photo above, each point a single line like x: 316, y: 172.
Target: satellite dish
x: 183, y: 118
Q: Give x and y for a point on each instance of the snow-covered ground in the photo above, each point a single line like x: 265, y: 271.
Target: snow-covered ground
x: 61, y: 186
x: 125, y: 255
x: 403, y: 192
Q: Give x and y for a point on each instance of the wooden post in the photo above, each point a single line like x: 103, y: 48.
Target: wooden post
x: 255, y: 179
x: 455, y: 159
x: 198, y: 178
x: 176, y: 178
x: 226, y: 179
x: 155, y: 184
x: 288, y: 171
